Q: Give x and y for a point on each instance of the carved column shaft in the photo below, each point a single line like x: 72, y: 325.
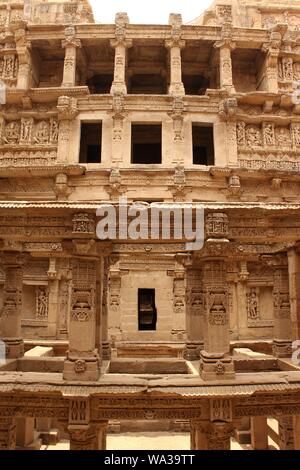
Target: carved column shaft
x: 294, y: 287
x: 70, y: 43
x: 176, y: 85
x: 83, y: 359
x: 104, y: 328
x: 286, y: 433
x: 119, y: 83
x: 271, y: 71
x: 226, y: 79
x: 194, y: 314
x: 7, y: 434
x: 67, y: 111
x: 282, y: 313
x: 179, y: 304
x: 12, y: 306
x: 259, y: 433
x: 24, y: 71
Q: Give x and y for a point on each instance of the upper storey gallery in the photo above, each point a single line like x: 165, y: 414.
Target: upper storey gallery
x: 235, y: 46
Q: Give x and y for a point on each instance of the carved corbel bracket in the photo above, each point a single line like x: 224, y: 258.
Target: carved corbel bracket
x: 67, y: 108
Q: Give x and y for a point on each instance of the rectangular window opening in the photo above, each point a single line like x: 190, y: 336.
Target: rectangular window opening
x: 147, y: 314
x: 90, y: 142
x: 146, y: 144
x: 203, y: 145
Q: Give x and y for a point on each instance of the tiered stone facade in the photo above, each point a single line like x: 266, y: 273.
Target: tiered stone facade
x: 229, y: 79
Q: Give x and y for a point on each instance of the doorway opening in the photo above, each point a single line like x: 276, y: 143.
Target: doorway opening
x: 147, y: 314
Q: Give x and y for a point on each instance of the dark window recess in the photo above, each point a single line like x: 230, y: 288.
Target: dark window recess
x: 90, y: 143
x: 147, y: 311
x: 147, y: 84
x: 146, y: 143
x: 195, y: 84
x: 203, y: 145
x: 100, y: 84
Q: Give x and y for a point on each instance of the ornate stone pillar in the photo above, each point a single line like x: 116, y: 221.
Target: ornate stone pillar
x: 225, y: 47
x: 174, y: 46
x: 216, y: 362
x: 282, y: 344
x: 272, y: 50
x: 53, y: 297
x: 115, y: 281
x: 64, y: 299
x: 259, y: 433
x: 179, y: 300
x: 102, y: 435
x: 118, y: 116
x: 70, y: 44
x: 177, y: 116
x: 286, y: 433
x: 12, y: 304
x: 24, y: 58
x: 82, y: 363
x: 296, y: 426
x: 120, y: 44
x: 294, y: 286
x: 7, y: 434
x: 195, y: 314
x: 105, y: 339
x: 212, y: 436
x: 67, y: 111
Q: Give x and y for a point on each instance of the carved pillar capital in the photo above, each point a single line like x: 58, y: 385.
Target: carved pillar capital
x: 212, y: 436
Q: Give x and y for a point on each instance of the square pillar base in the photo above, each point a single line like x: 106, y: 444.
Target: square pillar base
x: 118, y: 87
x: 14, y: 347
x: 192, y: 350
x: 106, y: 350
x: 81, y: 370
x: 216, y: 368
x: 282, y: 348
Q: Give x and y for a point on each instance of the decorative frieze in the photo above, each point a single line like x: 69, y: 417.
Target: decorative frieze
x: 29, y: 132
x: 268, y: 145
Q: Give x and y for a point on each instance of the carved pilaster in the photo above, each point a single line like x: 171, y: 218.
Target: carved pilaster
x: 83, y: 360
x: 272, y: 50
x: 282, y: 344
x: 286, y: 433
x: 12, y: 305
x: 215, y: 360
x: 179, y: 298
x: 105, y: 340
x: 24, y: 60
x: 115, y: 278
x: 7, y: 434
x: 195, y: 314
x: 67, y: 111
